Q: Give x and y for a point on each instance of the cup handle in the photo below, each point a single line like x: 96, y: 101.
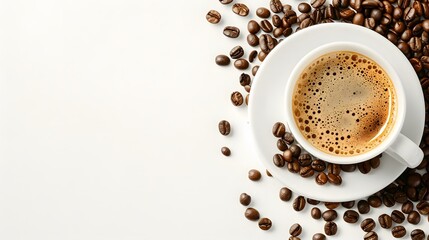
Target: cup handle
x: 405, y: 151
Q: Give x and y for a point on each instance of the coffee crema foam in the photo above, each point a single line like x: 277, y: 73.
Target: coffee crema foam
x: 344, y: 103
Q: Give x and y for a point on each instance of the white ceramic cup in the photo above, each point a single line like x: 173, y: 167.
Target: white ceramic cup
x: 395, y: 144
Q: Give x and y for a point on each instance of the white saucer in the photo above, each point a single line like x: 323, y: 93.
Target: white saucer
x: 266, y: 103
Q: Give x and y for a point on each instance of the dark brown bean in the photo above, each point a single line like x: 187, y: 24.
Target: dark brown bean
x: 288, y: 137
x: 281, y: 145
x: 400, y: 197
x: 278, y: 32
x: 348, y: 204
x: 222, y: 60
x: 266, y: 26
x: 348, y: 167
x: 370, y: 236
x: 334, y: 168
x: 363, y: 207
x: 330, y: 228
x: 266, y: 43
x: 316, y: 213
x: 374, y: 201
x: 397, y: 216
x: 241, y: 64
x: 231, y: 31
x: 253, y: 41
x: 313, y: 201
x: 423, y: 207
x: 295, y: 230
x: 358, y: 19
x: 351, y: 216
x: 388, y: 200
x: 332, y: 205
x: 356, y: 5
x: 368, y: 225
x: 265, y: 224
x: 299, y: 203
x: 417, y: 234
x: 240, y: 9
x: 236, y: 52
x: 225, y: 151
x: 279, y: 129
x: 304, y: 7
x: 409, y: 14
x: 369, y: 23
x: 263, y: 12
x: 317, y: 3
x: 398, y: 231
x: 224, y: 127
x: 413, y: 217
x: 251, y: 214
x: 371, y: 4
x: 245, y: 199
x: 385, y: 221
x: 237, y: 99
x: 277, y: 21
x: 253, y: 27
x: 321, y: 178
x: 318, y: 165
x: 244, y: 79
x: 347, y: 14
x: 425, y: 62
x: 276, y: 6
x: 254, y: 175
x: 334, y: 179
x: 319, y: 236
x: 213, y: 16
x: 397, y: 13
x: 225, y: 1
x: 329, y: 215
x: 285, y: 194
x: 296, y: 150
x: 306, y: 172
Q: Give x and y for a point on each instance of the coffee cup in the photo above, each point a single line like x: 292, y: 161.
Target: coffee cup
x: 345, y: 104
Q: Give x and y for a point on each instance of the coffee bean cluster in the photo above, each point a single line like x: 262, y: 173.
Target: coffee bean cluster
x: 405, y: 23
x: 296, y: 161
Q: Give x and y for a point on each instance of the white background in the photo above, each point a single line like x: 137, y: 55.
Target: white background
x: 108, y: 126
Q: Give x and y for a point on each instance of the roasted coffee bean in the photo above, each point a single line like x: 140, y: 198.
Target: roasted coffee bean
x: 415, y: 44
x: 247, y: 88
x: 422, y: 193
x: 392, y: 37
x: 364, y: 167
x: 398, y: 231
x: 356, y: 5
x: 363, y: 207
x: 213, y: 16
x: 225, y: 151
x: 413, y: 217
x: 318, y: 165
x: 224, y: 127
x: 381, y: 29
x: 385, y: 221
x: 418, y: 8
x: 236, y: 52
x: 237, y: 99
x: 225, y: 1
x: 317, y: 15
x: 286, y: 7
x: 347, y: 14
x: 316, y: 213
x: 313, y: 201
x: 254, y: 175
x: 388, y: 7
x: 399, y: 27
x: 294, y: 238
x: 397, y: 13
x: 299, y: 203
x: 241, y: 64
x: 388, y: 200
x: 334, y: 168
x: 329, y: 215
x: 386, y: 19
x: 377, y: 14
x: 332, y: 205
x: 240, y: 9
x: 358, y: 19
x: 265, y: 224
x: 404, y: 3
x: 348, y: 167
x: 288, y: 137
x: 251, y: 214
x: 293, y: 166
x: 406, y: 35
x: 276, y: 6
x: 400, y: 197
x: 266, y: 26
x: 423, y: 207
x: 278, y: 160
x: 253, y: 41
x: 296, y: 150
x: 334, y: 179
x: 368, y: 225
x: 321, y: 178
x: 279, y: 129
x: 255, y: 70
x: 418, y: 29
x: 287, y: 155
x: 304, y: 160
x: 245, y: 199
x: 409, y: 14
x: 281, y: 145
x: 371, y: 4
x: 304, y: 7
x: 266, y: 43
x: 414, y: 180
x: 425, y: 7
x: 425, y: 25
x: 319, y: 236
x: 374, y: 201
x: 306, y: 172
x: 263, y: 12
x: 397, y: 216
x: 425, y: 62
x: 348, y: 204
x: 330, y: 228
x: 369, y: 23
x: 417, y: 234
x: 317, y: 3
x: 268, y: 173
x: 351, y: 216
x: 411, y: 193
x: 244, y: 79
x: 278, y: 32
x: 330, y: 12
x: 277, y: 21
x: 285, y: 194
x: 246, y: 99
x: 405, y: 49
x: 222, y: 60
x: 370, y: 236
x: 231, y: 31
x: 295, y: 230
x: 417, y: 64
x: 253, y: 27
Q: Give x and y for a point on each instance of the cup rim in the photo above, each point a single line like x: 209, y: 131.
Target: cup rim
x: 400, y: 95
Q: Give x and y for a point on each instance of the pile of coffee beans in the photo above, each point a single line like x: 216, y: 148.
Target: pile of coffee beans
x: 402, y: 22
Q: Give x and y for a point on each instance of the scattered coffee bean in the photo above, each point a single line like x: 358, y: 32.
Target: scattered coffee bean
x: 312, y: 201
x: 245, y: 199
x: 241, y: 64
x: 407, y: 207
x: 288, y: 137
x: 263, y: 12
x: 224, y: 127
x: 222, y: 60
x: 317, y: 3
x: 321, y: 178
x: 368, y: 225
x: 397, y: 216
x: 374, y: 201
x: 285, y: 194
x: 306, y: 171
x: 398, y: 231
x: 318, y: 165
x: 251, y: 214
x: 281, y: 145
x: 319, y: 236
x: 351, y: 216
x: 304, y: 7
x: 423, y: 207
x: 304, y: 160
x: 237, y: 99
x: 279, y: 129
x: 266, y: 26
x: 287, y: 155
x: 329, y: 215
x: 266, y: 43
x: 348, y: 204
x: 231, y: 31
x: 253, y: 41
x: 244, y: 79
x: 299, y: 203
x: 385, y: 221
x: 332, y: 205
x: 334, y: 169
x: 334, y: 179
x: 225, y: 1
x: 213, y: 16
x: 388, y: 200
x: 296, y: 150
x: 254, y: 175
x: 294, y: 238
x: 417, y: 234
x: 276, y: 6
x: 226, y: 151
x: 330, y: 228
x: 278, y: 160
x: 370, y: 236
x: 253, y: 54
x: 363, y: 207
x: 316, y: 213
x: 265, y: 224
x: 364, y: 167
x: 237, y: 52
x: 413, y: 217
x: 295, y: 230
x: 253, y: 27
x: 240, y: 9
